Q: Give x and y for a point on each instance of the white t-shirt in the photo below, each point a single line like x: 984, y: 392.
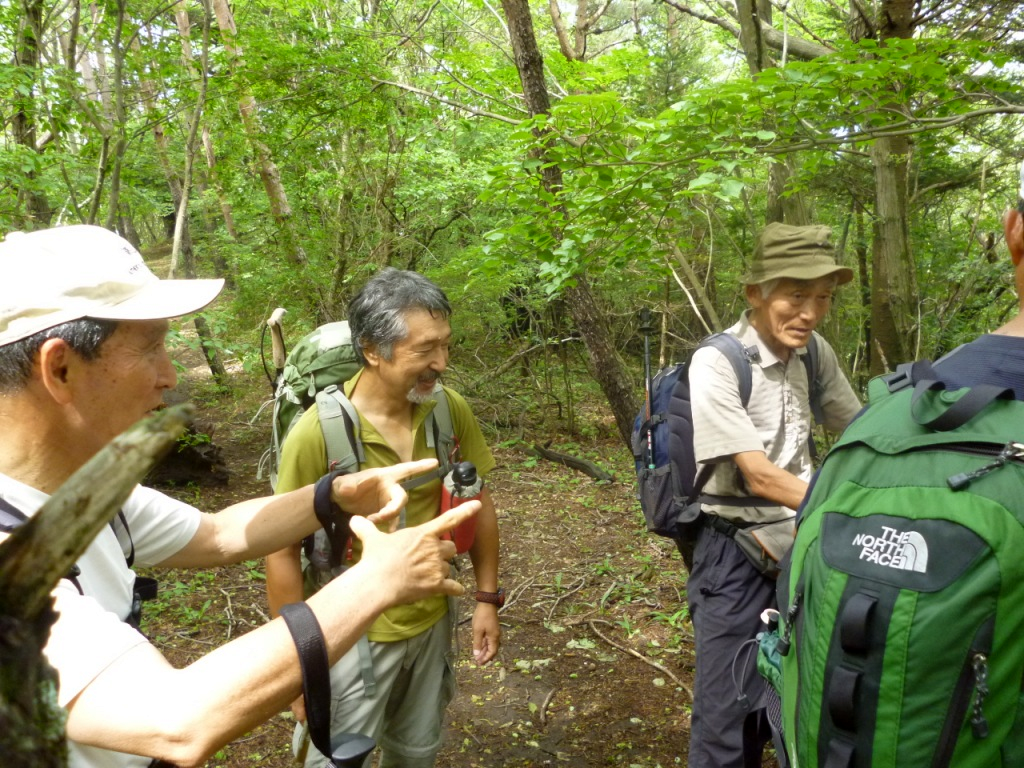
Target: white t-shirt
x: 90, y: 633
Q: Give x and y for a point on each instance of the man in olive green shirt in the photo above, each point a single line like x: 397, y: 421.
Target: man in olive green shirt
x: 395, y: 685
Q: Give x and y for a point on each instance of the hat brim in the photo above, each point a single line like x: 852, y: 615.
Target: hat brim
x: 162, y: 299
x: 803, y: 272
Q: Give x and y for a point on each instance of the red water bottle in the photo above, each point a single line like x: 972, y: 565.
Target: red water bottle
x: 460, y: 485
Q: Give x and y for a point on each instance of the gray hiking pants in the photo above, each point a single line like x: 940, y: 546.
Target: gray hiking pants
x: 726, y: 596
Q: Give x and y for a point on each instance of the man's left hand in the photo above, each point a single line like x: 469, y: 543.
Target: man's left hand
x: 486, y: 633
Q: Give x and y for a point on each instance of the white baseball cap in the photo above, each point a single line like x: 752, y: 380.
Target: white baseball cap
x: 54, y: 276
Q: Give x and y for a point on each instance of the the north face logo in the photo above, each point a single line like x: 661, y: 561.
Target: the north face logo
x: 903, y: 550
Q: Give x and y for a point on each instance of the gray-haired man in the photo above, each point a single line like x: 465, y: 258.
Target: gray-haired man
x: 82, y: 358
x: 761, y: 450
x: 396, y: 685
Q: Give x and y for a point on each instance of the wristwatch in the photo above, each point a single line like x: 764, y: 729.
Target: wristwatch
x: 494, y: 598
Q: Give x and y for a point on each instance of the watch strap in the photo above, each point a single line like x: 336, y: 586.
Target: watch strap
x: 333, y: 519
x: 494, y: 598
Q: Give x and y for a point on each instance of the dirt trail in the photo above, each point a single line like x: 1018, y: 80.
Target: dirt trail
x: 591, y: 671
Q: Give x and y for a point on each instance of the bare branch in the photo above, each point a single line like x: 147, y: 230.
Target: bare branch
x: 563, y: 36
x: 798, y: 47
x: 449, y: 102
x: 689, y: 10
x: 38, y: 554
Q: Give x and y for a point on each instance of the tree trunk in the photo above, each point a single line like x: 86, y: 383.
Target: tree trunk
x: 182, y: 234
x: 185, y: 31
x: 605, y: 365
x: 280, y: 209
x: 893, y: 282
x: 754, y: 17
x: 120, y: 126
x: 894, y: 299
x: 35, y: 557
x: 225, y: 204
x: 101, y: 115
x: 23, y: 122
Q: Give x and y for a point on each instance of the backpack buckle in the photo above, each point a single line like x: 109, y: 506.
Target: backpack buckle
x: 901, y: 379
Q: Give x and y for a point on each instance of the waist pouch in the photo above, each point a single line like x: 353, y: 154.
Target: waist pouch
x: 764, y: 544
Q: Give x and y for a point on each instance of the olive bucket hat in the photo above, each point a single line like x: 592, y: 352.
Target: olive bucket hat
x: 800, y: 253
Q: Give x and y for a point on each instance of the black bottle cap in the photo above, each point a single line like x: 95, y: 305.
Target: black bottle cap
x: 464, y: 473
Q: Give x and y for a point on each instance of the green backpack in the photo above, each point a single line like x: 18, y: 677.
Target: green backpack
x: 314, y: 371
x: 901, y: 641
x: 321, y: 358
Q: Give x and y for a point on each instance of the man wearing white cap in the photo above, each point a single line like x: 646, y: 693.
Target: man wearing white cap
x: 760, y: 451
x: 82, y: 358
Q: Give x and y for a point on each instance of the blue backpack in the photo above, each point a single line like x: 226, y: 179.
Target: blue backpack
x: 669, y: 487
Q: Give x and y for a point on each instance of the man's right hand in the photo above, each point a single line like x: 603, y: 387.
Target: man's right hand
x: 376, y: 493
x: 412, y: 563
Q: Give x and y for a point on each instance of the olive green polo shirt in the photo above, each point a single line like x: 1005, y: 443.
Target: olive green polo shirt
x: 304, y: 460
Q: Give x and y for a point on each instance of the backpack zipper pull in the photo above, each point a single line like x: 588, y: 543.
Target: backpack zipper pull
x: 1010, y: 451
x: 794, y: 609
x: 979, y: 725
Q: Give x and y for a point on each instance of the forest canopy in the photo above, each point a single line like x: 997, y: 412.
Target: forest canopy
x: 555, y: 166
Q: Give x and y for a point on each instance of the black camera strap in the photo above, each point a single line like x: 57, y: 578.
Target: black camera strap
x: 316, y: 671
x: 345, y: 750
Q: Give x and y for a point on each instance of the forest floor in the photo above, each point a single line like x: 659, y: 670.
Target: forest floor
x: 596, y: 661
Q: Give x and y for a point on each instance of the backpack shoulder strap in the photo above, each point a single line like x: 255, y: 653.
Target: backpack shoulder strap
x: 812, y: 362
x: 740, y: 356
x: 442, y: 432
x: 339, y: 424
x: 441, y: 437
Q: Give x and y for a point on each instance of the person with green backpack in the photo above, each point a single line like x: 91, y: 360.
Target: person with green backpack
x: 395, y: 685
x: 898, y: 641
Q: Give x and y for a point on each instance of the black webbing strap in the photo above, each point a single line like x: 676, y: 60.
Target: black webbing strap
x: 722, y: 526
x: 963, y: 410
x: 334, y: 519
x: 811, y: 361
x: 854, y: 623
x: 316, y: 671
x: 924, y: 379
x: 130, y: 557
x: 145, y: 587
x: 346, y: 750
x: 842, y: 696
x: 840, y: 755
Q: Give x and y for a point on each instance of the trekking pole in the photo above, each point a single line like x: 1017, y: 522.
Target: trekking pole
x: 277, y: 344
x: 647, y: 328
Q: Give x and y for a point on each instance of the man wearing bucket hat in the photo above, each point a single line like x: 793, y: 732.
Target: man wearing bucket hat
x: 82, y: 357
x: 761, y: 454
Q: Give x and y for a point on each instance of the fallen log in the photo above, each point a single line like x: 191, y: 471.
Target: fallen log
x: 35, y: 557
x: 589, y: 468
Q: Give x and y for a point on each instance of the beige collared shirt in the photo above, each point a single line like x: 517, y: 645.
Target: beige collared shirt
x: 777, y: 419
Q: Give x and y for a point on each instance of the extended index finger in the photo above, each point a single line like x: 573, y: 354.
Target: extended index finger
x: 451, y: 518
x: 407, y: 469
